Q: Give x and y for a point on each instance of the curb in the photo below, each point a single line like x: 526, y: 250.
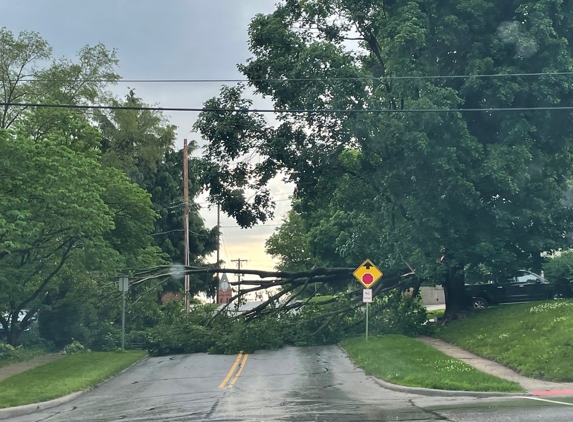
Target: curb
x: 444, y: 393
x: 12, y: 412
x: 435, y: 392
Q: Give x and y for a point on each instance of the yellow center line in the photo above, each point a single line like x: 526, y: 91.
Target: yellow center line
x: 232, y: 383
x: 230, y: 374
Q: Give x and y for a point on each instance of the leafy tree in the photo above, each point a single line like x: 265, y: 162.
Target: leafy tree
x: 135, y: 141
x: 18, y: 56
x: 30, y: 74
x: 166, y: 189
x: 559, y: 270
x: 55, y: 202
x: 140, y: 143
x: 452, y: 191
x: 290, y: 244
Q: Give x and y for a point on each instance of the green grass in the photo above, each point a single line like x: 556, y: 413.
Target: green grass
x: 407, y: 361
x: 534, y: 338
x: 438, y: 313
x: 317, y: 299
x: 56, y: 379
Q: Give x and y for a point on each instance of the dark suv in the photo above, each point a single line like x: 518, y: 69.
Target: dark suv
x: 523, y: 287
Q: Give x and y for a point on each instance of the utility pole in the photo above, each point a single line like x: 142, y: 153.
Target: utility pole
x: 238, y: 261
x: 218, y: 245
x: 123, y: 286
x: 186, y: 219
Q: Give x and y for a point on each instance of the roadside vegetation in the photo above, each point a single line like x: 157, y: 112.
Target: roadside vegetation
x: 406, y: 361
x: 73, y: 373
x: 10, y: 355
x: 533, y: 338
x: 438, y: 313
x: 201, y: 331
x: 89, y: 195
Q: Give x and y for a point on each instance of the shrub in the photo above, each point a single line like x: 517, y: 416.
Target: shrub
x: 75, y: 347
x: 105, y: 337
x: 394, y: 314
x: 559, y: 271
x: 7, y: 351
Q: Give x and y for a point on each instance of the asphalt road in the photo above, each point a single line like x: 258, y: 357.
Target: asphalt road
x: 292, y: 384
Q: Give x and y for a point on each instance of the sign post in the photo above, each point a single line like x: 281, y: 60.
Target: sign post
x: 123, y: 286
x: 367, y: 274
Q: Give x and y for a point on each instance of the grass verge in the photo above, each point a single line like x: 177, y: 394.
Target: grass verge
x: 65, y: 376
x: 406, y: 361
x: 438, y: 313
x: 534, y: 338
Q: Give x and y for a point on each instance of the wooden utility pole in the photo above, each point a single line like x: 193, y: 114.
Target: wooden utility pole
x: 186, y: 219
x: 218, y: 245
x: 238, y: 261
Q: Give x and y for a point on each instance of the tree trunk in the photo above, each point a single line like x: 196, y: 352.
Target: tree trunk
x: 454, y: 291
x: 15, y: 327
x: 13, y: 333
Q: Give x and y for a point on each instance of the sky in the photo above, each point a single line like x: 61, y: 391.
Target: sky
x: 173, y: 39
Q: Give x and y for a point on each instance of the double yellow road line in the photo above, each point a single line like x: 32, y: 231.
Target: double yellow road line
x: 238, y: 363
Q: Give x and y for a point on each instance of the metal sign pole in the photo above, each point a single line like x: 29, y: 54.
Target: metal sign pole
x: 367, y: 274
x: 123, y: 322
x: 367, y: 321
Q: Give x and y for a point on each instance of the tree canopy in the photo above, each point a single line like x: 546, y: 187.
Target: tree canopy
x: 84, y: 195
x: 384, y: 146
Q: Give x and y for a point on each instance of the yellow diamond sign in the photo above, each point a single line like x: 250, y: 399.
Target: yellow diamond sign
x: 368, y: 274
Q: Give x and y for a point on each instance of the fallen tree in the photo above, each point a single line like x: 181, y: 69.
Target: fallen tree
x: 284, y: 289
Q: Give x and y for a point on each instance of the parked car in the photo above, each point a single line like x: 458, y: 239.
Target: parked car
x: 524, y: 286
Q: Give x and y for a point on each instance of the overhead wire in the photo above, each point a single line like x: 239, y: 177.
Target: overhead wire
x: 292, y: 111
x: 285, y: 80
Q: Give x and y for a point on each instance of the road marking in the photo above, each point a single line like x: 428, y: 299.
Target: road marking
x: 232, y: 384
x: 549, y: 401
x: 553, y: 393
x: 230, y: 374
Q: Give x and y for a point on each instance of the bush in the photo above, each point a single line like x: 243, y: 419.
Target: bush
x: 32, y: 339
x: 394, y: 314
x: 559, y: 271
x: 7, y: 351
x: 75, y: 347
x: 105, y: 337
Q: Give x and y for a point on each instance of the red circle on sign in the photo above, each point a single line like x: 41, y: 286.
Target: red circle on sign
x: 367, y: 278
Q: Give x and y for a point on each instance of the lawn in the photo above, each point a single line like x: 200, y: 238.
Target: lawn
x: 534, y: 338
x: 318, y: 299
x: 56, y: 379
x: 438, y: 313
x: 406, y: 361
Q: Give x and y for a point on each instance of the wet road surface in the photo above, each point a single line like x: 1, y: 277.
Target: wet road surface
x: 292, y: 384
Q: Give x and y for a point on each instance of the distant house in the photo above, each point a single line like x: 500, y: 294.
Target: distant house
x: 245, y: 307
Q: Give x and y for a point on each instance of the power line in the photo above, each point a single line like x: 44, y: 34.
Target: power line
x: 286, y: 80
x: 250, y: 228
x: 294, y: 111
